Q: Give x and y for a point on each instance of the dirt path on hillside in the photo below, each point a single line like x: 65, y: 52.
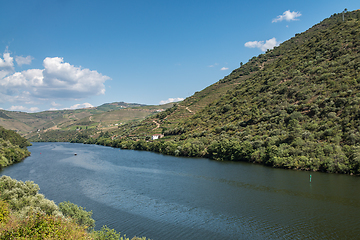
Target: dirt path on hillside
x: 189, y: 110
x: 52, y: 128
x: 157, y: 124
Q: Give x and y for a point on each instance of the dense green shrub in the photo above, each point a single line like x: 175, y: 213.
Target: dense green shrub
x: 41, y: 226
x: 23, y: 197
x: 77, y: 213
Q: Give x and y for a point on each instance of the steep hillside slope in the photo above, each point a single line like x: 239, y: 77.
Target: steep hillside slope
x: 296, y: 106
x: 12, y: 147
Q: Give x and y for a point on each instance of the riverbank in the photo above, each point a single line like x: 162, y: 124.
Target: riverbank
x: 12, y: 147
x: 233, y: 150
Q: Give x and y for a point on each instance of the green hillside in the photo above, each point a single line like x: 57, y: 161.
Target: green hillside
x: 12, y: 147
x: 31, y: 125
x: 81, y: 122
x: 296, y: 106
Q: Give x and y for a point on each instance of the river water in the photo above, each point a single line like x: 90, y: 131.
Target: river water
x: 164, y: 197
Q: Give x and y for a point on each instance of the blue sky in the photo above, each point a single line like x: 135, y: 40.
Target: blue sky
x: 73, y: 54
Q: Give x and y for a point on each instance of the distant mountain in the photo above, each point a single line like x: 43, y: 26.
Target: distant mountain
x: 117, y: 105
x: 30, y: 124
x: 296, y: 106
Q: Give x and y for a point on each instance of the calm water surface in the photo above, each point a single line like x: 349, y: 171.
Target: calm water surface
x: 163, y: 197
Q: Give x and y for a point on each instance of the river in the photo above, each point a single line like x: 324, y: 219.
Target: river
x: 164, y: 197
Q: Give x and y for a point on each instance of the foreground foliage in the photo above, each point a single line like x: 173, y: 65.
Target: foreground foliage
x: 40, y: 226
x: 77, y: 213
x: 23, y: 198
x: 26, y: 214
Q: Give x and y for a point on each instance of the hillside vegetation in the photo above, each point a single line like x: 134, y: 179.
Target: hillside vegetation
x: 35, y: 126
x: 96, y: 123
x: 296, y: 106
x: 12, y: 147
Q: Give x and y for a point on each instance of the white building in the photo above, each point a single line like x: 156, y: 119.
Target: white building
x: 156, y: 136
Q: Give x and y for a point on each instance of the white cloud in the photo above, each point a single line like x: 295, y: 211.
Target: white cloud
x: 58, y: 80
x: 23, y: 109
x: 66, y: 81
x: 268, y: 44
x: 4, y: 73
x: 23, y: 97
x: 254, y: 44
x: 76, y: 106
x: 34, y: 109
x: 170, y: 100
x: 17, y: 108
x: 80, y: 105
x: 288, y: 16
x: 7, y: 61
x: 224, y: 68
x: 6, y: 65
x: 20, y: 60
x: 213, y: 65
x: 55, y: 104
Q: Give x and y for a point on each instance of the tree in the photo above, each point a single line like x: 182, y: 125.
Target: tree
x: 77, y: 213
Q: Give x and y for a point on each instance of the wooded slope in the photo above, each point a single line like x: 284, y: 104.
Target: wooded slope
x: 12, y: 147
x: 296, y: 106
